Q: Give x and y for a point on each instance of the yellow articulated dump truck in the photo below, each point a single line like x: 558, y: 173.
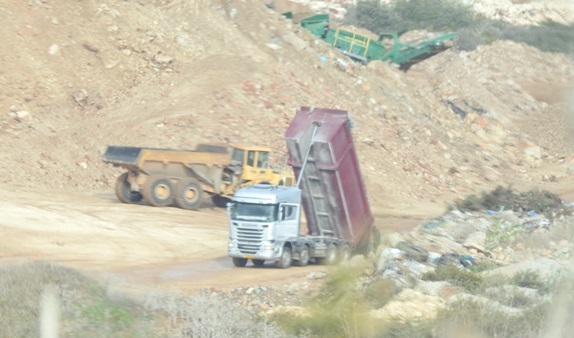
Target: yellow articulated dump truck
x: 163, y: 177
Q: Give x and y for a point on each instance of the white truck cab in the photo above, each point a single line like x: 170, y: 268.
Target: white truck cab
x: 262, y: 219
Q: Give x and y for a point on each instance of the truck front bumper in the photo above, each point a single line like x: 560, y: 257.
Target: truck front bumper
x: 267, y: 252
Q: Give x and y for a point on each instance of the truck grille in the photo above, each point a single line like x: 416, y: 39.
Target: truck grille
x: 249, y: 239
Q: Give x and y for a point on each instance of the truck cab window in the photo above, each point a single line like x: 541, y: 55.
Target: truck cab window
x: 238, y: 155
x: 254, y: 212
x: 289, y: 213
x: 263, y: 159
x: 251, y: 158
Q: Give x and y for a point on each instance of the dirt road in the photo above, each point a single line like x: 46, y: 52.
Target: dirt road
x: 135, y: 244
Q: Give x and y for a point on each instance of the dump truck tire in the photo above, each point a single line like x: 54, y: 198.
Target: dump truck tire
x: 330, y: 256
x: 303, y: 256
x: 158, y: 191
x: 286, y: 258
x: 124, y: 192
x: 344, y: 253
x: 220, y: 201
x: 188, y: 193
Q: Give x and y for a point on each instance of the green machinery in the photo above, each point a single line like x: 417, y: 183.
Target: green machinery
x: 363, y: 49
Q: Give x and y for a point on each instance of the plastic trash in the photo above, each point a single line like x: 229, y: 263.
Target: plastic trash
x: 532, y: 213
x: 433, y: 258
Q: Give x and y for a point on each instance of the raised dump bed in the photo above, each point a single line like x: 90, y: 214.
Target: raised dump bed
x: 334, y: 197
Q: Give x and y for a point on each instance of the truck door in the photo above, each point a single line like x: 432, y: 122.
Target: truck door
x: 288, y: 221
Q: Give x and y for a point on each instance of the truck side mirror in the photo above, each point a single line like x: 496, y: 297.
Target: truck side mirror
x: 281, y: 215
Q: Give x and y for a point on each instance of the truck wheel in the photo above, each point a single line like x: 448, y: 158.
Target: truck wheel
x: 330, y: 256
x: 239, y: 262
x: 220, y: 201
x: 258, y: 262
x: 158, y: 191
x: 124, y: 191
x: 304, y: 256
x: 285, y: 261
x: 344, y: 253
x: 188, y: 193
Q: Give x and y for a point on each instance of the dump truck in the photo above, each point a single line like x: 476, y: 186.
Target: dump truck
x: 388, y: 47
x: 185, y: 177
x: 266, y: 221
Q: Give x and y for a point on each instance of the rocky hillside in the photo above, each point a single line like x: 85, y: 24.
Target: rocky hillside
x: 84, y: 75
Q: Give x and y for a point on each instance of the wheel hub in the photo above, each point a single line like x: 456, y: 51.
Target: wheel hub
x: 162, y: 191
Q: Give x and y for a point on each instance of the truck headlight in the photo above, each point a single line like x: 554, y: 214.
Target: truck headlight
x: 231, y: 245
x: 268, y: 246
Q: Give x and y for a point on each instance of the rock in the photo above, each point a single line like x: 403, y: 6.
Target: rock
x: 533, y: 155
x: 410, y: 305
x: 273, y: 46
x: 476, y: 241
x: 81, y: 97
x: 295, y: 41
x: 20, y: 114
x: 316, y: 275
x: 163, y: 59
x: 54, y: 49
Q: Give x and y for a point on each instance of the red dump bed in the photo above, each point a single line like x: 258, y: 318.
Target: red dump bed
x: 334, y: 195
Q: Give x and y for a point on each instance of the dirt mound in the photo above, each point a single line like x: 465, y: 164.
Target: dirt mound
x: 174, y: 73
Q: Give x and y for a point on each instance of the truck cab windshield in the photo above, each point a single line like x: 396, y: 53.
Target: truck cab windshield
x: 254, y: 212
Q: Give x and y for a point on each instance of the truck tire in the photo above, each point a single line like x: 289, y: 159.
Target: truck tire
x: 344, y: 253
x: 286, y: 258
x: 220, y: 201
x: 258, y: 262
x: 188, y: 193
x: 239, y: 262
x: 330, y: 256
x: 158, y: 191
x: 124, y: 191
x: 303, y: 256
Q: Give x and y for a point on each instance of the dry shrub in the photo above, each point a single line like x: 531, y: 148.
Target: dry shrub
x: 89, y: 309
x: 540, y: 201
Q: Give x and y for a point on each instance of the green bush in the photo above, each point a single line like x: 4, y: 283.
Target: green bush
x: 533, y: 280
x: 451, y: 15
x: 341, y: 309
x: 502, y: 232
x: 404, y: 15
x: 457, y: 276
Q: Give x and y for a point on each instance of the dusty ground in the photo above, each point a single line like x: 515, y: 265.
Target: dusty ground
x: 136, y: 245
x: 80, y: 76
